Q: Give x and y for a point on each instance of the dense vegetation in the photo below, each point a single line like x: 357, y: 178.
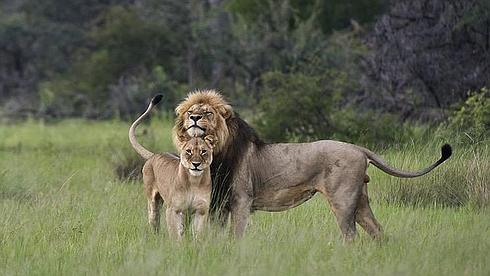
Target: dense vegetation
x: 296, y: 69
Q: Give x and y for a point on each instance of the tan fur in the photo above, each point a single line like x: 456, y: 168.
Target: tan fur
x: 169, y: 180
x: 182, y: 184
x: 199, y: 103
x: 276, y: 177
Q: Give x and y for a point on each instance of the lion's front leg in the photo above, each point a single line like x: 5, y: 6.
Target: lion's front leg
x: 200, y: 218
x: 240, y: 212
x: 175, y: 223
x: 199, y: 223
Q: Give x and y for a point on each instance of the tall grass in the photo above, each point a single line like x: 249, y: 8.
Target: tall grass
x: 464, y: 179
x: 65, y: 211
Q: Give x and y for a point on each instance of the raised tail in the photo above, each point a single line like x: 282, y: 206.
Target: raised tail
x: 146, y: 154
x: 446, y: 152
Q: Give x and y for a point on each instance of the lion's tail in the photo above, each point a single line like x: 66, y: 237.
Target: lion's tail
x: 446, y: 152
x: 146, y: 154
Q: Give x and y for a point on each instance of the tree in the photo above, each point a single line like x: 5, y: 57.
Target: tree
x: 427, y: 54
x: 37, y: 42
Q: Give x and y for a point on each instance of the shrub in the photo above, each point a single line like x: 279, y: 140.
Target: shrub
x: 298, y: 105
x: 473, y: 117
x: 301, y: 107
x: 127, y: 95
x: 126, y: 163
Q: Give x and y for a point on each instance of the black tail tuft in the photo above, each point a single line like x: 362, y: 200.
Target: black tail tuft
x: 446, y: 152
x: 156, y: 99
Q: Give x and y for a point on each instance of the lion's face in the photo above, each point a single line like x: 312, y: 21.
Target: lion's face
x: 197, y: 154
x: 202, y: 113
x: 199, y: 118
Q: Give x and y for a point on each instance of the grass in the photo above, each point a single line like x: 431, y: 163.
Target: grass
x: 464, y: 179
x: 65, y: 211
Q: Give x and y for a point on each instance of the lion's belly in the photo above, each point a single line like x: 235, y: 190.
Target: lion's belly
x: 283, y: 199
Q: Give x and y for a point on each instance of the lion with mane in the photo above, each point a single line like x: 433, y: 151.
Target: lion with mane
x: 250, y: 175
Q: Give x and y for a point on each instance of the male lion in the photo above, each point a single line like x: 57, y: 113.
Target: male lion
x: 182, y: 184
x: 250, y: 175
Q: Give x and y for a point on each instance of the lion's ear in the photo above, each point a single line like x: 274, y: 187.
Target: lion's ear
x: 210, y: 140
x: 178, y: 110
x: 180, y: 140
x: 226, y: 111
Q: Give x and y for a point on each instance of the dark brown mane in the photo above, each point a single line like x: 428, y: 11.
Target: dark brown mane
x: 224, y: 163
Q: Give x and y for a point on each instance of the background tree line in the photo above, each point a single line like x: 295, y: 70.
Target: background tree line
x: 297, y: 69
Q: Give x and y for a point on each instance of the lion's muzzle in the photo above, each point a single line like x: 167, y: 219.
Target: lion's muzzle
x: 195, y: 130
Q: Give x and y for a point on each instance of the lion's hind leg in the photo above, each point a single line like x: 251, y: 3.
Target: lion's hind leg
x: 154, y: 204
x: 365, y: 216
x: 343, y: 201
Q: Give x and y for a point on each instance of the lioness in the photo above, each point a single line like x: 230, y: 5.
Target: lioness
x: 250, y: 175
x: 184, y: 184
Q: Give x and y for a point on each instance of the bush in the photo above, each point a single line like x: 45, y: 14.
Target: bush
x: 126, y: 64
x: 133, y: 92
x: 300, y: 107
x: 374, y: 129
x: 126, y: 163
x: 297, y: 105
x: 127, y: 96
x: 473, y: 117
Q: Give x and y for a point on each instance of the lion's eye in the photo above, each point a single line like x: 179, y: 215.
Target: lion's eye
x: 209, y: 114
x: 188, y: 151
x: 203, y: 152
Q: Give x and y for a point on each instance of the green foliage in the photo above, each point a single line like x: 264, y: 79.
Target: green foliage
x: 329, y: 15
x: 28, y: 55
x: 312, y: 102
x: 373, y: 129
x: 128, y: 96
x: 73, y: 12
x: 337, y: 14
x: 105, y: 58
x: 473, y: 117
x: 298, y: 105
x: 53, y: 98
x: 125, y: 44
x: 161, y: 83
x: 125, y: 162
x: 128, y: 54
x: 129, y: 39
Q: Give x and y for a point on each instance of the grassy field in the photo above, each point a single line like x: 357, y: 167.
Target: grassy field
x: 64, y: 211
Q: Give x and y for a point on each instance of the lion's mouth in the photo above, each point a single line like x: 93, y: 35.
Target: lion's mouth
x: 195, y: 172
x: 197, y: 126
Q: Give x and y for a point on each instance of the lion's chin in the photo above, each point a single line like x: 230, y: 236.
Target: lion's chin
x: 195, y: 132
x: 195, y: 172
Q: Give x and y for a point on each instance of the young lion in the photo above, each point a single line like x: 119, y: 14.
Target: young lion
x: 182, y: 184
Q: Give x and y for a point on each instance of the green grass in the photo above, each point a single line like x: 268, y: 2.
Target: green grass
x: 64, y: 211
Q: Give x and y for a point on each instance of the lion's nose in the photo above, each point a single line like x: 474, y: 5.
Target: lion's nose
x: 196, y: 164
x: 195, y: 118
